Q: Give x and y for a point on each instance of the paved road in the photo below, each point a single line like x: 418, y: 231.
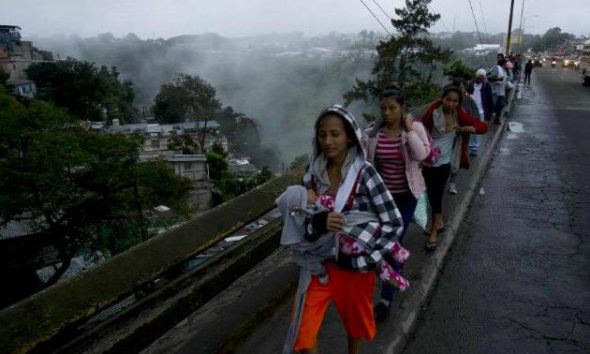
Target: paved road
x: 518, y: 278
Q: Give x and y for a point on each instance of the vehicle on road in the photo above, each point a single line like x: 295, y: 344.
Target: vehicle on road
x: 553, y: 62
x: 568, y: 62
x: 577, y: 63
x: 537, y: 61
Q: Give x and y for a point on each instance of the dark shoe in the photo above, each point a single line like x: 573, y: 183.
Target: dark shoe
x: 496, y: 121
x: 380, y: 311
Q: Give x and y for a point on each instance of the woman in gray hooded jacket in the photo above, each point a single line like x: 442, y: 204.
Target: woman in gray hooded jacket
x: 338, y: 168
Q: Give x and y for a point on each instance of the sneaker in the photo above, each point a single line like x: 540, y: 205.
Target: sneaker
x: 473, y: 153
x: 496, y: 121
x: 453, y: 188
x: 380, y: 311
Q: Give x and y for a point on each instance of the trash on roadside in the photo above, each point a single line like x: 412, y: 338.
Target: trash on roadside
x: 235, y: 238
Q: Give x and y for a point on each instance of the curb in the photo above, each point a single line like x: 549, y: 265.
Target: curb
x: 409, y: 310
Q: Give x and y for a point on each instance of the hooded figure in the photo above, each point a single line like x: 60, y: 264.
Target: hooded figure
x: 369, y: 216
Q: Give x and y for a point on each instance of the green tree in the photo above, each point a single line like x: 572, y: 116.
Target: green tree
x: 459, y: 69
x: 71, y: 184
x: 184, y: 143
x: 216, y: 160
x: 408, y: 59
x: 3, y: 77
x: 186, y: 98
x: 83, y: 90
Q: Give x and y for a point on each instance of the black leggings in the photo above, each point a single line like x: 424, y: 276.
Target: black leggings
x: 436, y: 179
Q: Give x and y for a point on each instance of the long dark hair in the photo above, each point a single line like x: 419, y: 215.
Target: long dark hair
x: 450, y: 88
x: 399, y: 96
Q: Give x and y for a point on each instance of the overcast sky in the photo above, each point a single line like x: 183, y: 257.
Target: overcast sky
x: 168, y: 18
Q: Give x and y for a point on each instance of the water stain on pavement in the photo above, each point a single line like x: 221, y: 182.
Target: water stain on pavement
x: 515, y: 127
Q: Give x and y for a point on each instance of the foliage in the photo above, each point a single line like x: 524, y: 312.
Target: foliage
x: 72, y: 184
x: 3, y: 77
x: 408, y: 59
x: 184, y: 143
x: 552, y: 38
x: 459, y: 69
x: 299, y: 162
x: 216, y: 160
x: 83, y: 90
x: 187, y: 97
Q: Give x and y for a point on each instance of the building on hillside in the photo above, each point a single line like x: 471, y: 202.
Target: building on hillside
x: 157, y: 136
x: 485, y: 49
x: 16, y: 56
x: 192, y: 166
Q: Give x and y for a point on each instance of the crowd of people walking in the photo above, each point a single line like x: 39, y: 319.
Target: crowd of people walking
x: 360, y: 193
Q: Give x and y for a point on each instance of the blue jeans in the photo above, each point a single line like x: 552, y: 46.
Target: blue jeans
x: 406, y: 204
x: 499, y: 103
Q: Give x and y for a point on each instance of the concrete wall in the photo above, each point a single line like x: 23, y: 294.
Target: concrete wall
x: 46, y: 314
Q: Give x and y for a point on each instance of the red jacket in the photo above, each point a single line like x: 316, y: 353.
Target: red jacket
x: 464, y: 119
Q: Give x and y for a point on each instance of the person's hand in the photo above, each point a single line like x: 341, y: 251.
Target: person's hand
x: 409, y: 123
x: 334, y: 221
x: 311, y: 196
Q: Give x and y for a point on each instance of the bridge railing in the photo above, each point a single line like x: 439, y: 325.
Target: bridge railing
x: 56, y: 311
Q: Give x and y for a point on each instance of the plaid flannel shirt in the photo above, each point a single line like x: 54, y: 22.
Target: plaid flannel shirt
x: 377, y: 238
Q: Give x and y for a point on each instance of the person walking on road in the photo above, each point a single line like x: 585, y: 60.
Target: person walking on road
x: 338, y: 169
x: 497, y: 78
x: 481, y: 92
x: 396, y: 145
x: 528, y: 70
x: 446, y: 120
x: 469, y: 105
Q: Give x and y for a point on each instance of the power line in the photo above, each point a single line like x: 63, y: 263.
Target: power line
x: 376, y: 18
x: 441, y: 20
x: 477, y: 28
x: 483, y: 20
x: 384, y: 12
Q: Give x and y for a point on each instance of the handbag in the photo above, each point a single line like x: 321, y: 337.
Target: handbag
x: 434, y: 153
x: 420, y: 217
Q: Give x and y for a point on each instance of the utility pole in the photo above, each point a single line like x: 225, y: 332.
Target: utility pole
x: 509, y: 27
x: 520, y: 34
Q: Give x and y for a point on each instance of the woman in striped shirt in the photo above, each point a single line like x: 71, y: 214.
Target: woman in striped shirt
x: 396, y: 145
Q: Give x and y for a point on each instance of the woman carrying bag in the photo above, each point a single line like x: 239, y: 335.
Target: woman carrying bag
x: 396, y: 145
x: 450, y: 126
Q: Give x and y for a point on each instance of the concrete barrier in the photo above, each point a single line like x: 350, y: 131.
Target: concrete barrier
x: 57, y: 313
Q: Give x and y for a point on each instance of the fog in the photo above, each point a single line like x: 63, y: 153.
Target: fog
x: 263, y: 77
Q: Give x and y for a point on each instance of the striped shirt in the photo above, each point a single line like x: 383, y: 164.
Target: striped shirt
x: 392, y: 167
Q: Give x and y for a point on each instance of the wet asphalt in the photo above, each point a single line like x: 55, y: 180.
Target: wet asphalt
x: 518, y: 277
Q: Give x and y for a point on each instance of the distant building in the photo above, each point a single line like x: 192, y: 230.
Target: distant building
x: 16, y: 56
x: 157, y: 136
x: 485, y: 49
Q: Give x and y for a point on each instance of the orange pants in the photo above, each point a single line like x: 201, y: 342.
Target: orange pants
x: 352, y: 293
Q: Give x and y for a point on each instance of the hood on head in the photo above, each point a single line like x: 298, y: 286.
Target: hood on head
x: 349, y: 119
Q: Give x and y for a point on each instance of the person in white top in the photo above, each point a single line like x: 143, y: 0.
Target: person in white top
x: 481, y: 92
x: 497, y: 78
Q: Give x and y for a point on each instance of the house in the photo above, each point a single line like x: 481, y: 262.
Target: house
x: 16, y: 56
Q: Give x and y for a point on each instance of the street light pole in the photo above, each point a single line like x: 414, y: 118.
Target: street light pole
x: 509, y: 27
